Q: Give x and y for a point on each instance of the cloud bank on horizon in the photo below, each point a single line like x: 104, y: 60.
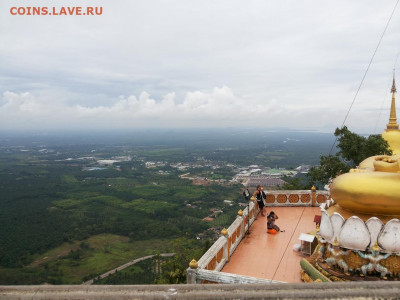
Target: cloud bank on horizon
x: 198, y: 110
x: 198, y: 64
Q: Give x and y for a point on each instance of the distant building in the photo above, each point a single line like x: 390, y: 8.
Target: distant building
x: 303, y: 169
x: 252, y: 171
x: 150, y: 164
x: 263, y: 181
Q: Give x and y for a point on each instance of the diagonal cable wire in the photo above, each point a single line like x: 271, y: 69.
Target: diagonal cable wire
x: 287, y: 246
x: 366, y: 71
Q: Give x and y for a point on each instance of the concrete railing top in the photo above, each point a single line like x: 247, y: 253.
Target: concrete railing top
x: 300, y: 192
x: 337, y: 290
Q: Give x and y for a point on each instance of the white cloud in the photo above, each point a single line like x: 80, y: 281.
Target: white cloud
x: 299, y: 63
x: 219, y: 107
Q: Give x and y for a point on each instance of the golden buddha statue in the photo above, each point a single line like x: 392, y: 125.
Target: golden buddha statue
x: 374, y: 187
x: 360, y: 223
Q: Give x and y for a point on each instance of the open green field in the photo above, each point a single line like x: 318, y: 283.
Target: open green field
x: 67, y: 225
x: 64, y: 218
x: 169, y: 154
x: 79, y: 261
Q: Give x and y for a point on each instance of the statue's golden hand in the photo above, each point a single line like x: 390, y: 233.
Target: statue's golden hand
x: 386, y: 163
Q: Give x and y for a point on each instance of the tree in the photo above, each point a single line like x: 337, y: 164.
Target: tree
x: 353, y: 149
x: 329, y: 167
x: 299, y: 182
x: 174, y: 269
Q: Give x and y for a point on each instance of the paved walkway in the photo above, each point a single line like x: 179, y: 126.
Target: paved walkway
x: 269, y: 256
x: 124, y: 266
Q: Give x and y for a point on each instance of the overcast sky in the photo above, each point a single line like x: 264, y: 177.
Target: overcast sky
x: 209, y: 63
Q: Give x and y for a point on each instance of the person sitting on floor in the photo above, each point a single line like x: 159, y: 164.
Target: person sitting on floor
x: 271, y: 227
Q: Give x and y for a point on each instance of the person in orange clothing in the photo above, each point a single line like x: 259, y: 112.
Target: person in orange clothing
x: 260, y: 195
x: 271, y: 227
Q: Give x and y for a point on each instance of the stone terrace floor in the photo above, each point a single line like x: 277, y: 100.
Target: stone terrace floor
x: 269, y: 256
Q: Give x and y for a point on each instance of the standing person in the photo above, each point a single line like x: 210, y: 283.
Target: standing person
x: 271, y: 227
x: 260, y: 195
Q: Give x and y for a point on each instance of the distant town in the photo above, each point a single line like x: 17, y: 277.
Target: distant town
x: 249, y: 176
